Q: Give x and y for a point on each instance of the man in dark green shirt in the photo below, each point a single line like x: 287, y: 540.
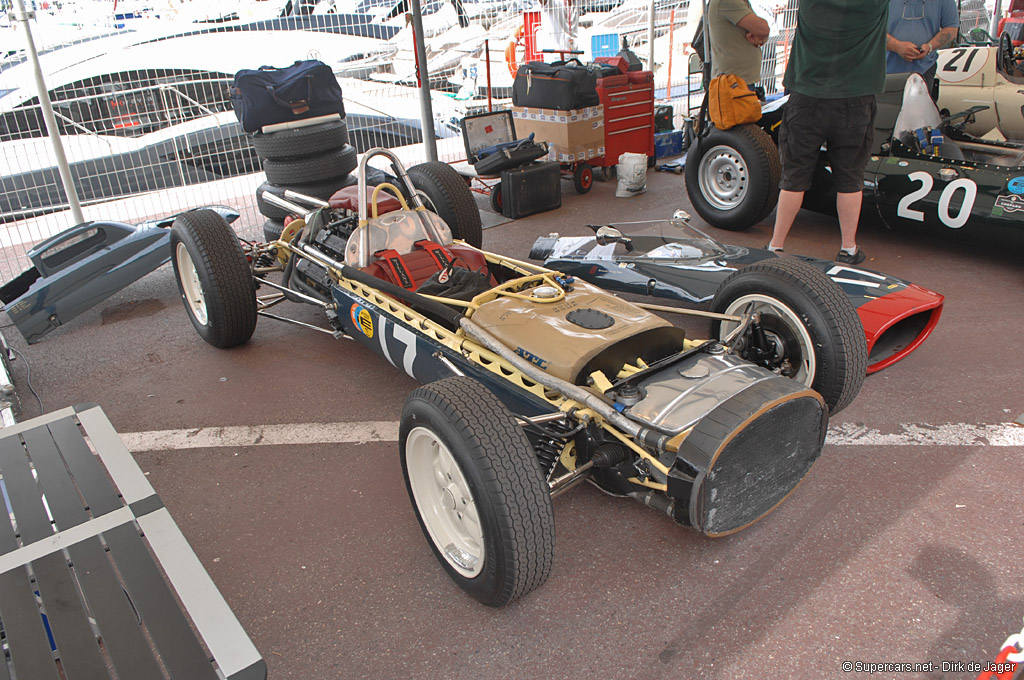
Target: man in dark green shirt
x: 836, y: 68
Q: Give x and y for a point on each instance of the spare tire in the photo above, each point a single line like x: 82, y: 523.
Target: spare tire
x: 336, y: 163
x: 298, y: 142
x: 732, y: 176
x: 446, y: 193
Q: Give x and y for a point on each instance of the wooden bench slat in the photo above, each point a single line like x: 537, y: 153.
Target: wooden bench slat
x: 89, y: 477
x: 27, y: 641
x: 161, y: 614
x: 118, y: 624
x: 76, y: 644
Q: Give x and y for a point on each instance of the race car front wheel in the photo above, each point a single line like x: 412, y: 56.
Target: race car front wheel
x: 213, y: 278
x: 732, y: 176
x: 808, y: 329
x: 477, y: 490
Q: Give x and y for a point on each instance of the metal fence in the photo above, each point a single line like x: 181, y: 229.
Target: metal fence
x: 141, y: 98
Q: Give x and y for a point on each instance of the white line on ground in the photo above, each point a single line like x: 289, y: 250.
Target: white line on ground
x: 844, y: 434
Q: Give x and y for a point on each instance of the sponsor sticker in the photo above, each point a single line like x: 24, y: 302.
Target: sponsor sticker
x: 362, y: 320
x: 1016, y: 185
x: 532, y: 358
x: 1011, y: 204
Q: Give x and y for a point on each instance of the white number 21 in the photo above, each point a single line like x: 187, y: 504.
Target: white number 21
x: 970, y: 189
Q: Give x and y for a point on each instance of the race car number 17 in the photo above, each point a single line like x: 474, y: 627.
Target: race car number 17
x: 970, y: 190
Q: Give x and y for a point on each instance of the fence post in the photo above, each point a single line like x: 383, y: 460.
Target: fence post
x: 51, y: 122
x: 426, y: 109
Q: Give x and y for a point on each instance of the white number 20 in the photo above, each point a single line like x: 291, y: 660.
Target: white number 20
x: 951, y: 221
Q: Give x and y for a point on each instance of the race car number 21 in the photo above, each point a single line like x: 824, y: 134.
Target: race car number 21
x: 970, y: 192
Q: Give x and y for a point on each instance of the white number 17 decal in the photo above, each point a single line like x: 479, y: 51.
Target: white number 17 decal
x: 970, y: 189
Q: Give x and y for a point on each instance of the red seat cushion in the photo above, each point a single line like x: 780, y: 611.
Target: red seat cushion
x: 348, y: 199
x: 421, y: 265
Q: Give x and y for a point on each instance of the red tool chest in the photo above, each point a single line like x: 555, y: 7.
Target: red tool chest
x: 628, y: 116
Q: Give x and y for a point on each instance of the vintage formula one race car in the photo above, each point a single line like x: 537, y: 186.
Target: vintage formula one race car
x: 535, y: 381
x: 989, y: 75
x: 674, y: 260
x: 925, y: 169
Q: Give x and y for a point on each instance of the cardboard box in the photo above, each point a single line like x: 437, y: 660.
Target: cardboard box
x: 573, y: 136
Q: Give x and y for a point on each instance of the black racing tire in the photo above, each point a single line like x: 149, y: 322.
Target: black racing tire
x: 445, y: 193
x: 458, y: 444
x: 312, y: 140
x: 214, y: 278
x: 321, y: 190
x: 807, y: 318
x: 496, y: 205
x: 314, y: 169
x: 732, y: 176
x: 582, y: 178
x: 272, y: 230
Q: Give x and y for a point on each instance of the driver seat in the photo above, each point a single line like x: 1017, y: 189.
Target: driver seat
x: 920, y: 114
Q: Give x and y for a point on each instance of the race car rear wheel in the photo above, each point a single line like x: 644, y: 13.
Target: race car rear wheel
x: 811, y: 330
x: 477, y: 490
x: 446, y: 194
x: 732, y: 176
x: 213, y: 278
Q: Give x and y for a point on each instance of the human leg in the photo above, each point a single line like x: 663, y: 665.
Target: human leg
x: 800, y: 139
x: 849, y: 146
x: 785, y: 212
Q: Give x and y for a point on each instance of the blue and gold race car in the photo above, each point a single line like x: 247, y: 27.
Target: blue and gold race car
x: 535, y: 380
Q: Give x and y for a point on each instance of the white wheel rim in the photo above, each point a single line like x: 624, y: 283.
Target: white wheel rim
x: 805, y: 364
x: 445, y: 502
x: 723, y: 177
x: 192, y: 289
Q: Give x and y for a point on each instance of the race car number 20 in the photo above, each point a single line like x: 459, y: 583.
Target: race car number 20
x: 970, y: 192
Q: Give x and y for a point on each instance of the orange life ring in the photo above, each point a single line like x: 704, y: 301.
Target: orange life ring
x: 510, y: 51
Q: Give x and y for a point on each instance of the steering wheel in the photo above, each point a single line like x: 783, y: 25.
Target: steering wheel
x: 1006, y: 61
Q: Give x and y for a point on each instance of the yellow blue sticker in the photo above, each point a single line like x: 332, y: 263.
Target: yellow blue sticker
x: 1016, y: 185
x: 362, y: 320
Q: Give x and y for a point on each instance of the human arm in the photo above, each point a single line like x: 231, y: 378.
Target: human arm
x: 757, y: 29
x: 905, y: 49
x: 944, y: 38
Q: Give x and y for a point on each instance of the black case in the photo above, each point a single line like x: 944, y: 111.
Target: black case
x: 531, y: 189
x: 563, y: 86
x: 495, y: 132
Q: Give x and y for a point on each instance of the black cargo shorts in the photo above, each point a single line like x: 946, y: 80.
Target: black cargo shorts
x: 845, y: 126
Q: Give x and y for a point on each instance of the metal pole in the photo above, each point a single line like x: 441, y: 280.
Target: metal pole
x: 426, y: 110
x: 51, y: 122
x: 997, y: 12
x: 650, y: 39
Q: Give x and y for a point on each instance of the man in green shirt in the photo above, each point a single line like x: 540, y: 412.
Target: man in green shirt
x: 736, y: 37
x: 836, y: 68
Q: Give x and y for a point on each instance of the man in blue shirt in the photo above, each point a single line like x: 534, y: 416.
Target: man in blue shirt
x: 917, y: 28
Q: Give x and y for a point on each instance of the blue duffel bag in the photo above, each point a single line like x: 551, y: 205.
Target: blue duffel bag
x: 270, y: 95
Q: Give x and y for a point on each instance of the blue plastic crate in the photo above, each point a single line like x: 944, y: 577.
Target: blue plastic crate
x: 668, y: 143
x: 606, y: 45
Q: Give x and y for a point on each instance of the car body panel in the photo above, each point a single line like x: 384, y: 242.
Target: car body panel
x: 82, y: 266
x: 423, y: 358
x: 672, y: 260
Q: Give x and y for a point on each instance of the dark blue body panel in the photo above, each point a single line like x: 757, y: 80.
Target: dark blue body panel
x: 421, y: 356
x: 82, y: 266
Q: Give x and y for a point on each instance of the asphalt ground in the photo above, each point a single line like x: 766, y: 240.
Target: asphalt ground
x: 278, y: 461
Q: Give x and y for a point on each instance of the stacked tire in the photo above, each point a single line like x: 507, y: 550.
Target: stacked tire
x: 315, y: 160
